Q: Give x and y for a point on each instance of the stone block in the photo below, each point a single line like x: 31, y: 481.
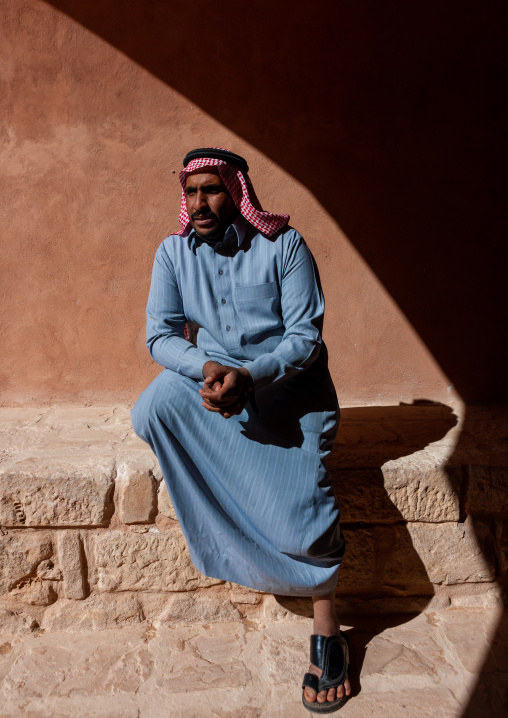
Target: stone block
x: 96, y: 613
x: 363, y: 497
x: 72, y: 562
x: 207, y: 660
x: 137, y: 493
x: 409, y: 560
x: 489, y: 596
x: 423, y: 490
x: 501, y: 532
x: 35, y: 592
x: 455, y: 552
x: 381, y: 560
x: 188, y: 608
x: 165, y: 504
x: 56, y: 492
x: 418, y: 490
x: 48, y: 571
x: 487, y: 490
x: 371, y: 436
x: 153, y: 561
x: 90, y: 664
x: 21, y: 552
x: 16, y: 621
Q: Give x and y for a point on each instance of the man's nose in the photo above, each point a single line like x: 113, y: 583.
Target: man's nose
x: 201, y: 200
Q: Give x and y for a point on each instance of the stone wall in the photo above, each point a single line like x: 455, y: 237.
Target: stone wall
x: 89, y: 538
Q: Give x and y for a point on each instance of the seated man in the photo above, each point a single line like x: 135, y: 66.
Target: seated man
x: 242, y: 422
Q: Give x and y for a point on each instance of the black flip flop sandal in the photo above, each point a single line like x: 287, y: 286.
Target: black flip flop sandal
x: 331, y: 654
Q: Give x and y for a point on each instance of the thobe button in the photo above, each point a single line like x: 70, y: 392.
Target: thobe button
x: 221, y: 271
x: 219, y: 245
x: 228, y: 328
x: 223, y: 300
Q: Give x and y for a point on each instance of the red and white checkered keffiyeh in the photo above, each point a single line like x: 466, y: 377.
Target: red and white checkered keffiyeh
x: 242, y: 192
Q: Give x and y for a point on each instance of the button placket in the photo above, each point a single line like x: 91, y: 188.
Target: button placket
x: 225, y: 305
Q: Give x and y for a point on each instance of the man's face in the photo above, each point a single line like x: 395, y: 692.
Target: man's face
x: 209, y: 204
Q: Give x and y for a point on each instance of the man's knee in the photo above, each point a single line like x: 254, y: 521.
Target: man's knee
x: 139, y: 419
x: 166, y: 394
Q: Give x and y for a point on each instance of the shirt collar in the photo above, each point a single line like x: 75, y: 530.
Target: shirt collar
x: 238, y: 227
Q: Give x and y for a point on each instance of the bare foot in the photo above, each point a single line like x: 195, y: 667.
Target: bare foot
x: 325, y: 624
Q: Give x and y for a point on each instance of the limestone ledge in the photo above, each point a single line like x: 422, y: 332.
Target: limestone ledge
x: 59, y: 466
x: 89, y: 536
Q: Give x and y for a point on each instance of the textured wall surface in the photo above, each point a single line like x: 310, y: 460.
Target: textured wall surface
x: 91, y: 145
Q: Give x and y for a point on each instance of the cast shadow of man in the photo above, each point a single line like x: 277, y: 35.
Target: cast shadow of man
x: 382, y: 581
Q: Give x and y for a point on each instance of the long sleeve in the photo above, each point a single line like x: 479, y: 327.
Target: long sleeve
x: 302, y: 306
x: 165, y: 321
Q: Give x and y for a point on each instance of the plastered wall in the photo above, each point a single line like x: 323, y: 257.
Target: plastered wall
x: 91, y: 145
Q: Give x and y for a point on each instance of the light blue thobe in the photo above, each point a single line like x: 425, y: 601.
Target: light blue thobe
x: 252, y: 493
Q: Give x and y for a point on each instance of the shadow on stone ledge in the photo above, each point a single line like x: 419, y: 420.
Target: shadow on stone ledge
x: 395, y: 493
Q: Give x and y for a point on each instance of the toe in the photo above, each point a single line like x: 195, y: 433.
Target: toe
x: 331, y: 695
x: 321, y: 696
x: 310, y: 694
x: 340, y: 691
x: 347, y: 687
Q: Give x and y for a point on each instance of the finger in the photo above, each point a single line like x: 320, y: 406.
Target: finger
x: 210, y: 403
x: 215, y: 374
x: 224, y: 404
x: 214, y: 409
x: 212, y: 398
x: 233, y: 410
x: 220, y: 397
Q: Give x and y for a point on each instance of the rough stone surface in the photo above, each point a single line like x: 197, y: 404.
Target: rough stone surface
x: 372, y: 436
x: 71, y: 433
x: 382, y: 559
x: 416, y: 489
x: 452, y: 553
x: 487, y: 490
x: 21, y: 552
x: 137, y: 493
x: 185, y: 608
x: 56, y: 492
x: 96, y: 613
x: 449, y: 664
x: 146, y: 562
x: 14, y: 621
x: 72, y: 560
x: 35, y: 592
x: 502, y: 546
x: 122, y: 553
x: 165, y: 504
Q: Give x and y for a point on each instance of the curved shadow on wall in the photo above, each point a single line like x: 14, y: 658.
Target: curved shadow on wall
x: 390, y: 113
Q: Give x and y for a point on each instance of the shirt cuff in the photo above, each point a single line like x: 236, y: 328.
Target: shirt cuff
x: 192, y: 362
x: 263, y: 370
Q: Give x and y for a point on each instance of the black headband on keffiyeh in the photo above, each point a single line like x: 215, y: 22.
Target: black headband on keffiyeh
x: 216, y: 153
x: 233, y: 171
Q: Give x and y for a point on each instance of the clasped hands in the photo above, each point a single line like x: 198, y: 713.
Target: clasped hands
x: 227, y: 389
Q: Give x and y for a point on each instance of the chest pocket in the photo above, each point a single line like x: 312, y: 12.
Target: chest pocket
x: 258, y: 307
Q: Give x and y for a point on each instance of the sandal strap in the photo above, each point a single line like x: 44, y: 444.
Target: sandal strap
x: 317, y: 644
x: 331, y: 654
x: 310, y: 681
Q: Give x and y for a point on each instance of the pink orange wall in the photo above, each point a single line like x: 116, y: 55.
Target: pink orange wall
x: 91, y: 146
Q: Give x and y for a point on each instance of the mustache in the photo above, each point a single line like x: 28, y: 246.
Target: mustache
x: 204, y: 215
